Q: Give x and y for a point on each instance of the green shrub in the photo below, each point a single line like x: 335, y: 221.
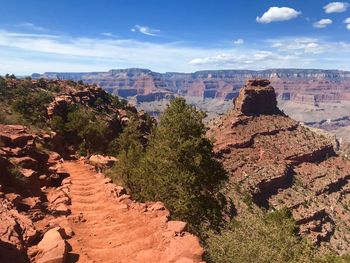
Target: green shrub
x: 268, y: 239
x: 99, y: 103
x: 130, y: 149
x: 32, y: 105
x: 54, y: 88
x: 116, y: 102
x: 92, y: 130
x: 58, y: 124
x: 2, y: 85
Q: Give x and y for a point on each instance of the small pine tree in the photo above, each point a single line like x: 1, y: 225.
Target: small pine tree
x: 178, y: 167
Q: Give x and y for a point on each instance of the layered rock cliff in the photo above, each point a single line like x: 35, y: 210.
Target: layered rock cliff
x: 309, y: 86
x: 275, y: 162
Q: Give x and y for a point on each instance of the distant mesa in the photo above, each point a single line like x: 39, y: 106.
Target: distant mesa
x: 257, y: 97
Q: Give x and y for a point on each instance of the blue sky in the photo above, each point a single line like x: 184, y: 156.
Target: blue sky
x: 177, y: 35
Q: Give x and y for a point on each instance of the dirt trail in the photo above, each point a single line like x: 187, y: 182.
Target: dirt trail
x: 111, y: 230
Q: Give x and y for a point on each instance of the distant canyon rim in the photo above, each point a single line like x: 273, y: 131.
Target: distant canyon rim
x: 318, y: 98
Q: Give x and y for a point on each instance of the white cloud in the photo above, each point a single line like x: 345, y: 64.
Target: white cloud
x: 109, y: 34
x: 299, y: 45
x: 323, y: 23
x: 336, y: 7
x: 278, y: 14
x: 347, y: 21
x: 249, y: 59
x: 305, y: 46
x: 146, y: 30
x: 238, y: 41
x: 31, y: 26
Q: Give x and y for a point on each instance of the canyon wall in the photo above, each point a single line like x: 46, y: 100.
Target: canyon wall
x: 310, y: 86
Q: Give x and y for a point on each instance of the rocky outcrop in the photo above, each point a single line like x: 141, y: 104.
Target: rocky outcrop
x: 275, y: 162
x: 27, y: 194
x: 26, y: 169
x: 86, y: 96
x: 256, y: 97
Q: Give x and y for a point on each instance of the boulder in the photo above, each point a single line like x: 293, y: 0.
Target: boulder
x: 185, y: 247
x: 52, y: 248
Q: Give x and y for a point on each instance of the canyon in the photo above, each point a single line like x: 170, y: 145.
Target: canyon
x: 59, y: 205
x: 315, y: 97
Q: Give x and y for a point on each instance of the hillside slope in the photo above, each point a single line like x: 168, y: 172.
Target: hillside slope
x: 53, y: 210
x: 274, y: 162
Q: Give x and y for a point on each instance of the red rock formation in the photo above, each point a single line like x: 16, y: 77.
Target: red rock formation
x: 256, y: 97
x: 279, y: 163
x: 25, y: 173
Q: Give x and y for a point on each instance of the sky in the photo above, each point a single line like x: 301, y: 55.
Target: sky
x: 172, y: 35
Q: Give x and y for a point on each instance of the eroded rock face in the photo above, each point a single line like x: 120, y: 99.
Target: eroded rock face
x: 256, y: 97
x: 87, y: 96
x: 22, y: 163
x: 17, y: 233
x: 279, y: 163
x: 26, y: 175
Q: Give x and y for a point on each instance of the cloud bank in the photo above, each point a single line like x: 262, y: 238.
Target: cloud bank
x: 25, y: 53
